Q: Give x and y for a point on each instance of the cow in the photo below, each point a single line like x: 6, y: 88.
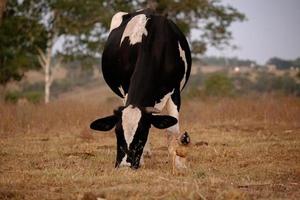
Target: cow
x: 147, y: 62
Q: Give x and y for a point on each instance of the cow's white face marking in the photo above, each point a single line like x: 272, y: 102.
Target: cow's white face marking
x: 130, y: 121
x: 182, y: 55
x: 135, y: 29
x: 116, y: 20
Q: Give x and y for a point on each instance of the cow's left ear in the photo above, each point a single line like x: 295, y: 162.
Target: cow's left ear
x: 163, y: 121
x: 104, y: 124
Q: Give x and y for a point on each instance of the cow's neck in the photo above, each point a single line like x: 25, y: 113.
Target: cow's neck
x: 142, y: 87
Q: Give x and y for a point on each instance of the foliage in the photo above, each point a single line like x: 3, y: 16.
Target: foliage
x: 12, y: 96
x: 20, y: 35
x: 218, y: 84
x: 284, y: 64
x: 82, y: 27
x: 223, y: 61
x: 242, y: 84
x: 76, y: 77
x: 31, y: 96
x: 298, y: 75
x: 267, y: 82
x: 210, y: 17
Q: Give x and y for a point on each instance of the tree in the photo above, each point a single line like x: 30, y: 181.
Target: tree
x: 296, y: 63
x: 210, y: 17
x: 280, y: 63
x: 82, y: 27
x: 20, y: 35
x: 218, y: 84
x: 81, y: 24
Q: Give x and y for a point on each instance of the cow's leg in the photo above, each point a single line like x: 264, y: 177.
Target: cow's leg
x: 159, y: 106
x: 147, y: 149
x: 173, y: 107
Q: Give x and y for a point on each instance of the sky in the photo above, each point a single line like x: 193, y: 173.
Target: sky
x: 272, y: 29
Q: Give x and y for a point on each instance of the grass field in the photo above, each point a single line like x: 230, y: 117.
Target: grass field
x: 242, y: 148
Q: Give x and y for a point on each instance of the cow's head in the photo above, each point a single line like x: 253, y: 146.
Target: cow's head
x: 132, y: 126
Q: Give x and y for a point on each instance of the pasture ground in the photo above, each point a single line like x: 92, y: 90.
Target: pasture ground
x: 242, y: 148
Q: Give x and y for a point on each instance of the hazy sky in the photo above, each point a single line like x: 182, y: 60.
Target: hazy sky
x: 272, y: 29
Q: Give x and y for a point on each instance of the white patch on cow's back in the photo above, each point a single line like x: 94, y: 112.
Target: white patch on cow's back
x: 116, y: 20
x: 163, y: 101
x: 135, y: 29
x: 130, y: 120
x: 182, y: 55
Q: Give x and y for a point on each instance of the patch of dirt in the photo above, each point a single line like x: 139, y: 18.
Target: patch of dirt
x: 83, y: 155
x: 9, y: 195
x: 201, y: 143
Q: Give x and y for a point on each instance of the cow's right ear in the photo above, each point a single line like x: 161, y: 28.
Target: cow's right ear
x: 104, y: 124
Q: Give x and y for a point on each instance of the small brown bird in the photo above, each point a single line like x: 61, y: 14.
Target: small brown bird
x: 178, y: 150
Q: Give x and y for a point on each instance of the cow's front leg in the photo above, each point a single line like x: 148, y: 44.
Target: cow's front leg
x: 146, y: 152
x: 177, y: 142
x: 147, y: 149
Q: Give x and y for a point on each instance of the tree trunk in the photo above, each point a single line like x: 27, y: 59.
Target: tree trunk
x: 48, y: 75
x: 2, y: 9
x: 45, y: 62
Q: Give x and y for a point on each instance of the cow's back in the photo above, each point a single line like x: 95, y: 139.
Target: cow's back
x: 157, y: 58
x: 119, y: 58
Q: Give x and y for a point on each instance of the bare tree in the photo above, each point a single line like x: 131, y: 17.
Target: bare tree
x: 47, y: 65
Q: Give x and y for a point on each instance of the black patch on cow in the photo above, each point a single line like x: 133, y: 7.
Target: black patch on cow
x: 104, y: 124
x: 163, y: 121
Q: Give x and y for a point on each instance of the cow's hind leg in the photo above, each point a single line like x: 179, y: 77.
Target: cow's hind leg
x: 176, y: 148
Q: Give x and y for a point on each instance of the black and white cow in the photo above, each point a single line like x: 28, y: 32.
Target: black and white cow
x: 147, y: 62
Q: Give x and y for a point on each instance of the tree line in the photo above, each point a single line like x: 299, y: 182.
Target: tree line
x: 283, y: 63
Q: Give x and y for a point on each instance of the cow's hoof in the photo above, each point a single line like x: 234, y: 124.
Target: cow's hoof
x: 185, y: 139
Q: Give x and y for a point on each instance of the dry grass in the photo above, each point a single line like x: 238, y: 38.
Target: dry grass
x: 243, y: 148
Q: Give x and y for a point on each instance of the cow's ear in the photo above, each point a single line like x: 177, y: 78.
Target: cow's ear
x: 104, y: 124
x: 163, y: 121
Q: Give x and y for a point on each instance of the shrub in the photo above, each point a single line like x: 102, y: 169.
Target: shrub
x: 267, y: 82
x: 31, y: 96
x: 12, y: 96
x: 218, y: 85
x: 192, y: 92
